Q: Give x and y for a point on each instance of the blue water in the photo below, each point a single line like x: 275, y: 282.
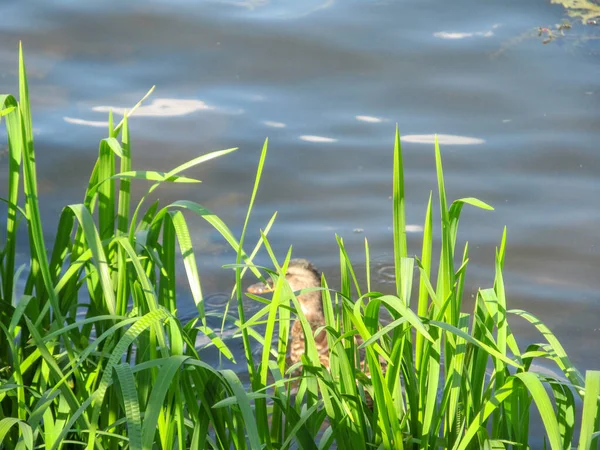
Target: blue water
x: 327, y: 82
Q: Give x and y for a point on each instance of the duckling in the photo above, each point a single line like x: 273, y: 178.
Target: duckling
x: 302, y: 274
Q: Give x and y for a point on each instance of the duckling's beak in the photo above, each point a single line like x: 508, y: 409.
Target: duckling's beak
x: 259, y: 288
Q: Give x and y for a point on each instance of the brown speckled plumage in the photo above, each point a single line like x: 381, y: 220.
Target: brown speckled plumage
x: 302, y: 274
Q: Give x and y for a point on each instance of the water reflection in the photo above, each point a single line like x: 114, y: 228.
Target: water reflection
x: 163, y: 107
x: 462, y: 35
x: 88, y: 123
x: 283, y: 10
x: 446, y: 139
x: 272, y: 124
x: 319, y: 139
x: 160, y: 107
x: 369, y: 119
x: 385, y: 273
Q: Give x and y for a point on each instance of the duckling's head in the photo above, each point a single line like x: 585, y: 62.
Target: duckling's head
x: 301, y: 274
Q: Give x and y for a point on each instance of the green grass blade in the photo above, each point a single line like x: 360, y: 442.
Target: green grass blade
x: 39, y: 255
x: 544, y: 405
x: 399, y: 201
x: 278, y: 297
x: 348, y: 265
x: 92, y: 239
x: 561, y: 358
x: 460, y: 333
x: 194, y: 162
x: 244, y: 404
x: 590, y: 421
x: 152, y: 319
x: 106, y: 192
x: 425, y: 265
x: 131, y: 404
x: 446, y: 267
x: 8, y: 422
x: 124, y: 184
x: 116, y: 130
x: 367, y: 265
x: 489, y: 407
x: 164, y: 382
x: 398, y: 305
x: 15, y: 151
x: 189, y: 260
x: 215, y: 221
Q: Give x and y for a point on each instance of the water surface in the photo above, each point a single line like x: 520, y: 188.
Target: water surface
x: 327, y: 81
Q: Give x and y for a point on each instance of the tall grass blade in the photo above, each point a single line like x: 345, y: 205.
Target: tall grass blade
x: 399, y: 201
x: 131, y: 404
x: 590, y: 421
x: 164, y: 382
x: 36, y: 233
x: 10, y: 110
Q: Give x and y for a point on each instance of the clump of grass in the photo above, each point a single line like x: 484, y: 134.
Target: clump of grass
x: 120, y: 370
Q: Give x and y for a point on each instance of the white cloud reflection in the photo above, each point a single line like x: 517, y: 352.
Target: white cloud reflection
x: 272, y: 124
x: 319, y: 139
x: 369, y: 119
x: 161, y: 107
x: 89, y: 123
x: 446, y: 139
x: 413, y: 228
x: 447, y: 35
x: 461, y: 35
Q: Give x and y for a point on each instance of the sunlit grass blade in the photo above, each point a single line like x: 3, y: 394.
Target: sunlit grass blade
x: 8, y: 422
x: 150, y: 320
x: 399, y: 202
x: 255, y: 380
x: 244, y: 404
x: 278, y: 297
x: 116, y: 130
x: 590, y: 421
x: 560, y: 356
x: 446, y: 265
x: 214, y: 220
x: 56, y: 371
x: 189, y: 260
x: 15, y: 150
x: 367, y: 265
x: 501, y: 395
x: 460, y: 333
x: 131, y: 404
x: 544, y: 405
x: 194, y: 162
x: 95, y: 244
x: 30, y: 187
x: 348, y: 265
x: 164, y: 382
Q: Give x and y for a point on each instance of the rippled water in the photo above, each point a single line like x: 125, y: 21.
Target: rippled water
x: 326, y: 81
